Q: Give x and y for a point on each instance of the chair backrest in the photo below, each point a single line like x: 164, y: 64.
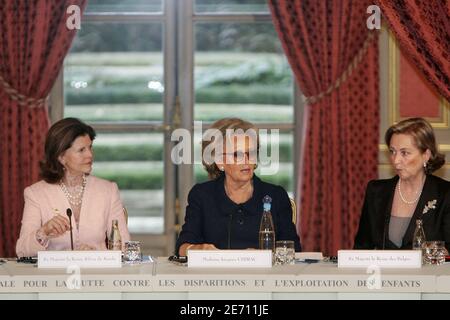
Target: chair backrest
x: 125, y: 213
x: 294, y: 210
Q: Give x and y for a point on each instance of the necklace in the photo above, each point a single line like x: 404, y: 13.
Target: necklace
x: 239, y: 194
x: 403, y: 198
x: 76, y: 197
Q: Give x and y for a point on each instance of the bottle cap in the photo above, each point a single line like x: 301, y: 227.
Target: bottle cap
x: 267, y: 203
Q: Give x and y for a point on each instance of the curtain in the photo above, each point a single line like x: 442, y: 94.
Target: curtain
x: 34, y: 40
x: 334, y: 57
x: 422, y: 28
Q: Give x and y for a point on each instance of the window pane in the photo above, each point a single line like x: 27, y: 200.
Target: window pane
x: 231, y: 6
x: 135, y: 163
x: 114, y: 72
x: 141, y: 6
x: 240, y: 70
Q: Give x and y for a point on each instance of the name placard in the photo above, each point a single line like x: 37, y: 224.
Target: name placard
x: 380, y: 258
x: 230, y: 258
x: 82, y: 259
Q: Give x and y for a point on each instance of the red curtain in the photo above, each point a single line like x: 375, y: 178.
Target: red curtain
x: 34, y: 40
x: 334, y: 57
x: 422, y: 28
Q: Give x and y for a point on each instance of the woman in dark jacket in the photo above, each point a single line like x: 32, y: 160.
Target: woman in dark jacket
x: 225, y: 213
x: 392, y: 206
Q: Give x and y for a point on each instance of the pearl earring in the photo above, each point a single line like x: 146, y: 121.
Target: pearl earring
x: 424, y: 164
x: 222, y: 168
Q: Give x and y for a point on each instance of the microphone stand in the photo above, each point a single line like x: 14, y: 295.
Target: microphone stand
x: 69, y: 214
x: 386, y: 224
x: 229, y: 230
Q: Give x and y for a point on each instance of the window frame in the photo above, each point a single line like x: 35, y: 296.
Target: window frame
x: 178, y: 19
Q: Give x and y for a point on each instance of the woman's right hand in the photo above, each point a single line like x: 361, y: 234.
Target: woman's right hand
x: 56, y: 226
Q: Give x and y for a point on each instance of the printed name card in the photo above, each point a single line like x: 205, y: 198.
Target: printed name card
x: 230, y: 258
x: 82, y: 259
x: 380, y: 258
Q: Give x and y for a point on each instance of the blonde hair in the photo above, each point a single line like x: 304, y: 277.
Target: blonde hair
x: 222, y: 125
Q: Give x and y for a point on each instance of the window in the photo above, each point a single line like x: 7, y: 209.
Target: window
x: 138, y: 69
x: 241, y: 71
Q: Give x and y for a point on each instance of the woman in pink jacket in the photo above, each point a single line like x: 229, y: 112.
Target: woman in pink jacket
x: 67, y: 184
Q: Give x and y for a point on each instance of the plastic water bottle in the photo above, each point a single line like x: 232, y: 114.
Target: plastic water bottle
x: 266, y: 229
x: 419, y: 236
x: 115, y: 240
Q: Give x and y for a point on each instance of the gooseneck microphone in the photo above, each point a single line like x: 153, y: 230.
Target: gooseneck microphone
x: 69, y: 214
x: 386, y: 226
x: 229, y: 229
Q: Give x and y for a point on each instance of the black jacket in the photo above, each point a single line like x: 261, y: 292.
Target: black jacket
x: 211, y: 217
x: 373, y: 232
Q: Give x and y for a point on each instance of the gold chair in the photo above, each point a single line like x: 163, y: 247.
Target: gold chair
x: 125, y: 213
x: 294, y: 210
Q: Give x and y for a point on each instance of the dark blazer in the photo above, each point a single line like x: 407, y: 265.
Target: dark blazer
x: 211, y: 217
x: 373, y: 232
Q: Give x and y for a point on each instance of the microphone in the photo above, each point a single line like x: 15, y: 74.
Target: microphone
x: 229, y: 230
x: 69, y: 214
x: 386, y: 223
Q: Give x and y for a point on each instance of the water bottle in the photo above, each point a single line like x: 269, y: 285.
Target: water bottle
x: 419, y: 236
x: 266, y: 229
x: 115, y: 241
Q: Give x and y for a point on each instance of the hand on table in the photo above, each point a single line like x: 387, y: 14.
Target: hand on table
x: 56, y: 226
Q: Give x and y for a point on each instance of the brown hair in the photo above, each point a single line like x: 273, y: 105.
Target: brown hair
x: 59, y: 138
x: 222, y: 125
x: 423, y: 135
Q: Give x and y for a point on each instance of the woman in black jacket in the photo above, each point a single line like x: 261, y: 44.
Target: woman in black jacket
x: 392, y: 206
x: 225, y: 212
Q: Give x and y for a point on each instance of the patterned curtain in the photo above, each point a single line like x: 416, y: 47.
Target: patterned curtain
x: 334, y: 57
x: 422, y: 28
x: 34, y: 40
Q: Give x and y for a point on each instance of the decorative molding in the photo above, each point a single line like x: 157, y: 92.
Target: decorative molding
x: 444, y: 147
x: 442, y: 122
x: 393, y: 79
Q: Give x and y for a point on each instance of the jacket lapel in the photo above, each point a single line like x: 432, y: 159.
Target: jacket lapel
x: 429, y: 192
x: 227, y: 207
x: 385, y: 206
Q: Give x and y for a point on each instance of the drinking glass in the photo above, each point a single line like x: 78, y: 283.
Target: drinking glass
x: 433, y: 252
x: 132, y: 251
x: 284, y: 252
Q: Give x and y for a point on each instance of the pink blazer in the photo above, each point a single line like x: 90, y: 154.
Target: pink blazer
x: 101, y: 204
